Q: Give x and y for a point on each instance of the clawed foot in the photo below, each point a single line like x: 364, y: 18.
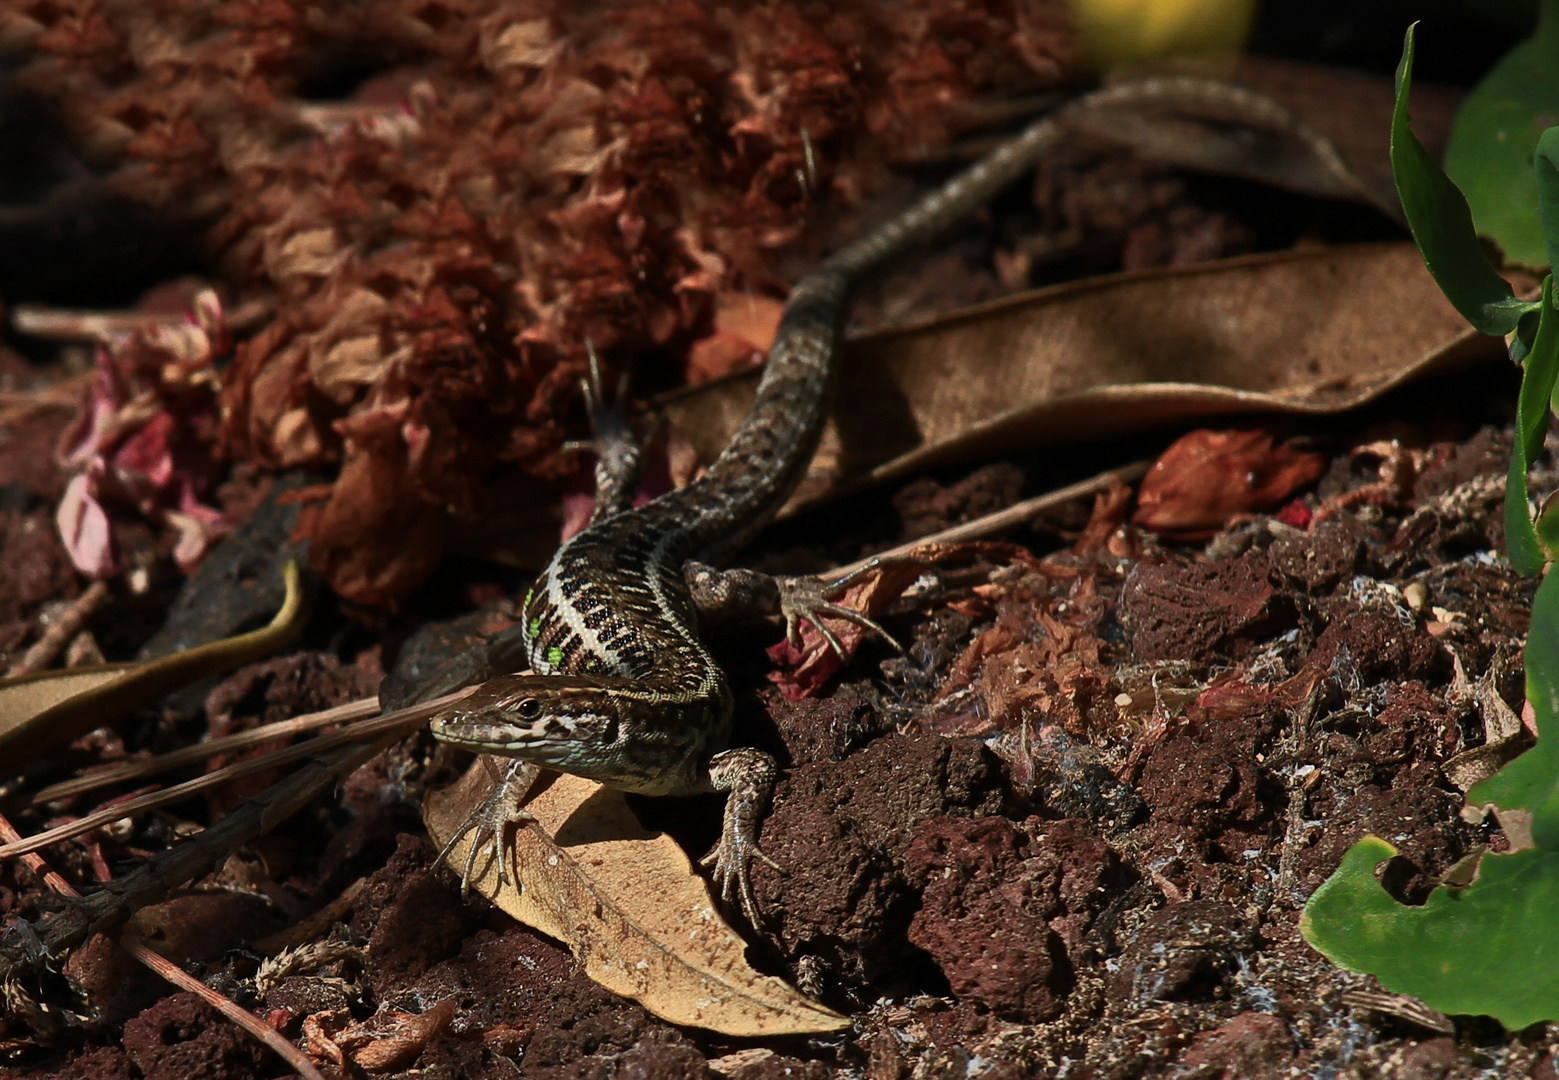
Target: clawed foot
x: 491, y: 822
x: 608, y: 415
x: 748, y: 776
x: 809, y: 599
x: 617, y: 449
x: 731, y: 865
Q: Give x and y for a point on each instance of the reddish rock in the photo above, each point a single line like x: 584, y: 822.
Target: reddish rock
x: 1319, y: 561
x: 1416, y: 814
x: 1372, y: 646
x: 101, y: 1063
x: 1208, y: 777
x: 180, y: 1037
x: 843, y: 830
x: 664, y: 1054
x: 1427, y: 1060
x: 1252, y: 1046
x: 1202, y: 610
x: 1004, y: 909
x: 411, y: 919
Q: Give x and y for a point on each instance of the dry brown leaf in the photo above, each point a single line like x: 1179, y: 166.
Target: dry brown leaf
x: 1216, y: 127
x: 1299, y: 332
x: 627, y: 902
x: 802, y: 668
x: 800, y: 671
x: 1351, y: 109
x: 393, y: 1039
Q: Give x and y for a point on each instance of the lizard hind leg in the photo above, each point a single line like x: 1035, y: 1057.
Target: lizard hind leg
x: 724, y: 596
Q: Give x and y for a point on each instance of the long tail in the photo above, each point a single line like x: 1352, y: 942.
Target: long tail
x: 751, y: 479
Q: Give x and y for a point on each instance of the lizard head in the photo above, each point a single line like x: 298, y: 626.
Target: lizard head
x: 589, y: 726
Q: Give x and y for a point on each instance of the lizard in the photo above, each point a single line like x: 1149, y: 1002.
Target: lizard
x: 622, y: 689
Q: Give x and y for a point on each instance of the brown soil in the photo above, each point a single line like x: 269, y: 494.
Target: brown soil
x: 1092, y: 867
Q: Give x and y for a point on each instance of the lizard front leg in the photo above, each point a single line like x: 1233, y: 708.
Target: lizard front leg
x: 747, y: 777
x: 492, y: 818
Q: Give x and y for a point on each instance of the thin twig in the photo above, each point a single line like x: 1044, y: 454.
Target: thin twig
x: 394, y: 723
x: 149, y: 883
x: 315, y: 926
x: 1016, y: 514
x: 176, y: 975
x: 138, y: 770
x: 57, y: 636
x: 36, y: 864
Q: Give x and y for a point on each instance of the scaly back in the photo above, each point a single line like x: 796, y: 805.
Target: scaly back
x: 613, y: 600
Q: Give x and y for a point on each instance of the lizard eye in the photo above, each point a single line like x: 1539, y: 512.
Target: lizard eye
x: 529, y: 709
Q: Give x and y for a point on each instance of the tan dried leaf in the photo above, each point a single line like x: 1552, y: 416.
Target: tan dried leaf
x: 348, y: 365
x: 312, y: 253
x: 394, y: 1039
x: 628, y: 903
x: 526, y: 44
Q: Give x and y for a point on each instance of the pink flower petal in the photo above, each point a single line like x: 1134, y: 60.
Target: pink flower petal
x: 84, y: 528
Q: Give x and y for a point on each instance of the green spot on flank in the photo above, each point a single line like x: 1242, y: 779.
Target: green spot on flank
x: 554, y: 656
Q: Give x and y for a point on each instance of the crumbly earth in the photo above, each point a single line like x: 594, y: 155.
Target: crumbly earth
x: 1067, y: 832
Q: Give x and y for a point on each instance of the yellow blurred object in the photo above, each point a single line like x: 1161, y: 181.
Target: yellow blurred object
x: 1116, y: 32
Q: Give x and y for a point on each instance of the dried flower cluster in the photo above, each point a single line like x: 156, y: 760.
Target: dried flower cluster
x: 508, y: 179
x: 143, y: 434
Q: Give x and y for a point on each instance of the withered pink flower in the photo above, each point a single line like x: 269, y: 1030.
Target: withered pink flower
x: 144, y: 436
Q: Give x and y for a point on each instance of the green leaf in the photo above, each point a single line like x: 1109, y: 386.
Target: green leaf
x: 1443, y: 226
x: 1545, y: 165
x: 1522, y: 544
x: 47, y: 710
x: 1490, y: 152
x: 1526, y: 333
x: 1490, y: 949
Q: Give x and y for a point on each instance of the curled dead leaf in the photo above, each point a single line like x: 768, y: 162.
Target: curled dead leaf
x: 1064, y: 363
x: 48, y: 709
x: 392, y: 1039
x: 628, y: 903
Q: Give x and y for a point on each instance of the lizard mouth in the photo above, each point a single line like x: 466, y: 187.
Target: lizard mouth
x: 476, y: 733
